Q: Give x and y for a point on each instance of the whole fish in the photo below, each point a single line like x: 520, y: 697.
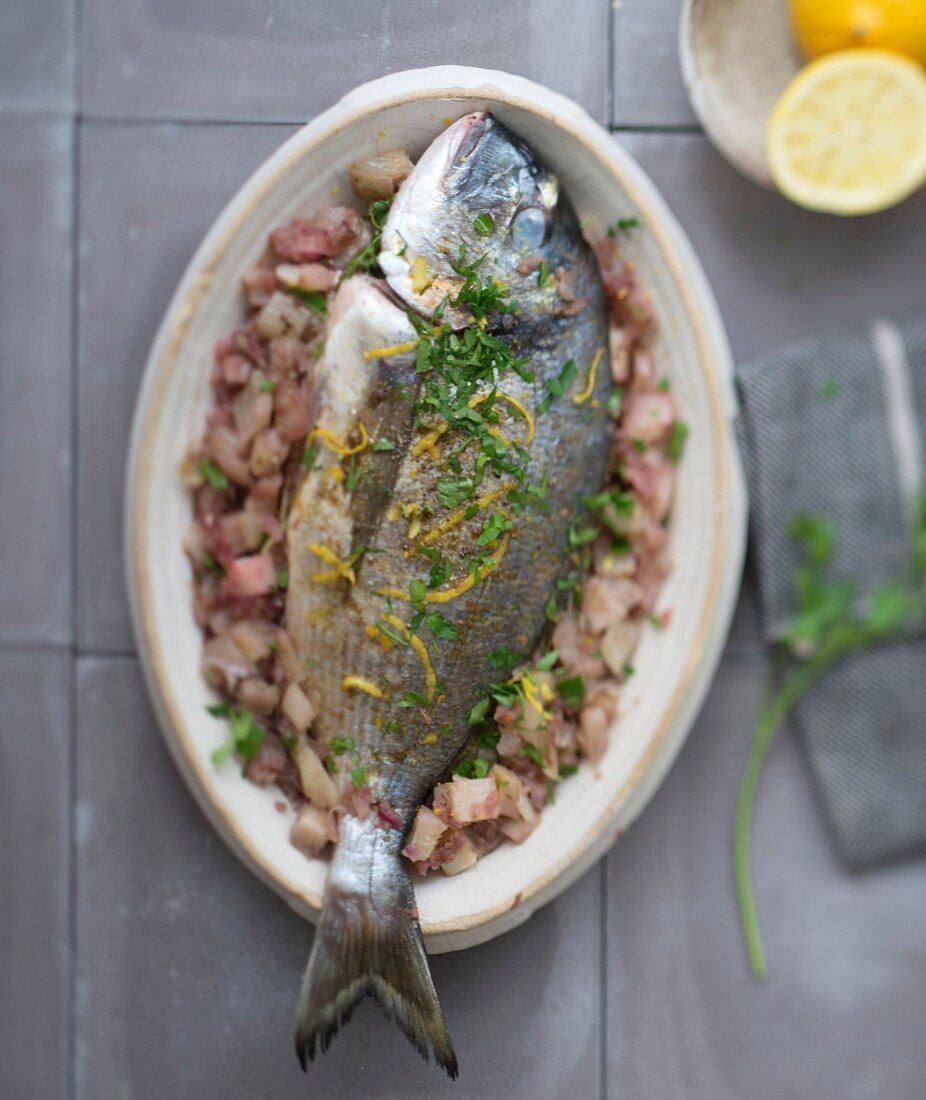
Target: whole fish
x: 433, y: 527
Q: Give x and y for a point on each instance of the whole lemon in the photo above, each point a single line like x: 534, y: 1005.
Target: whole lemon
x: 822, y: 26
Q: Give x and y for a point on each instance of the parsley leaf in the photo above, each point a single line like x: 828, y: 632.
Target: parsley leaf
x: 213, y: 475
x: 572, y: 690
x: 504, y: 658
x: 475, y: 767
x: 314, y: 299
x: 675, y: 445
x: 441, y: 627
x: 484, y: 225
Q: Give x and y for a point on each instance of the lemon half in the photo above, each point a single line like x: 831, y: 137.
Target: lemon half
x: 848, y: 135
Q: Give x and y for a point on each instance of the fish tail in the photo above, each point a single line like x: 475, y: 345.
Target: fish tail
x: 368, y: 946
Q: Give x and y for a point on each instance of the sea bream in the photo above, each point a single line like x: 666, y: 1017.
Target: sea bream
x: 461, y: 414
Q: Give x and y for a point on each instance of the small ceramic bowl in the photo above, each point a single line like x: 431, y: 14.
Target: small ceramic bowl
x: 674, y: 666
x: 737, y: 57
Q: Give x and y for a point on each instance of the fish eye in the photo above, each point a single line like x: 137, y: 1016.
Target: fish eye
x: 529, y: 229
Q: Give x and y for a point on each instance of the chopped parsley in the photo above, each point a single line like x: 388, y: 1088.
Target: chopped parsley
x: 414, y: 699
x: 548, y: 661
x: 484, y: 225
x: 572, y: 690
x: 452, y: 491
x: 534, y: 752
x: 624, y: 226
x: 358, y: 776
x: 475, y: 767
x: 314, y: 299
x: 340, y: 745
x: 213, y: 475
x: 211, y: 564
x: 675, y: 446
x: 544, y: 278
x: 383, y: 444
x: 578, y: 536
x: 504, y: 658
x: 245, y: 737
x: 353, y: 476
x: 558, y: 386
x: 310, y: 455
x: 266, y: 385
x: 440, y: 627
x: 368, y: 258
x: 495, y: 526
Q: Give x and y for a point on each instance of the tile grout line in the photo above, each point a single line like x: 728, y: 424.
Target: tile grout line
x: 71, y: 1084
x: 611, y: 62
x: 603, y: 983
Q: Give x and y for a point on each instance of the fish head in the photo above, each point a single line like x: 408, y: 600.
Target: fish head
x: 478, y: 197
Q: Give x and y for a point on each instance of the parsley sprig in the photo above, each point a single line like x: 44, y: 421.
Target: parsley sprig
x: 829, y: 623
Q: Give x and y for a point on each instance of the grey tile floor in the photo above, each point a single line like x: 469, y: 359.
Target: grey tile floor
x: 139, y: 960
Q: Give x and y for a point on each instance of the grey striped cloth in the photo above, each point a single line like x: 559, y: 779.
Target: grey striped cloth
x: 835, y: 426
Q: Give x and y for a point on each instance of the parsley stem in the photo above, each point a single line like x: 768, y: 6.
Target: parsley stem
x: 794, y: 686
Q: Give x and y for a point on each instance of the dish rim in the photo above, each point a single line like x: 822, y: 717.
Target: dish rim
x: 458, y: 84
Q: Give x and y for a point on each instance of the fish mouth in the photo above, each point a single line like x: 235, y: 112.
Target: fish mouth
x: 476, y: 170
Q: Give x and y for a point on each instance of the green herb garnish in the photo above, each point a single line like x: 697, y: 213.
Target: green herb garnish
x: 678, y: 433
x: 310, y: 455
x: 572, y: 690
x: 624, y: 226
x: 826, y: 627
x: 533, y: 751
x: 314, y: 299
x: 383, y: 445
x: 245, y: 738
x: 368, y: 258
x: 440, y: 627
x: 484, y: 225
x: 495, y: 526
x: 475, y: 767
x: 504, y: 658
x: 558, y: 386
x: 358, y: 776
x: 213, y: 475
x: 211, y: 564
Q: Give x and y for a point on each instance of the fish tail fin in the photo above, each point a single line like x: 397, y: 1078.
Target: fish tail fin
x: 370, y: 947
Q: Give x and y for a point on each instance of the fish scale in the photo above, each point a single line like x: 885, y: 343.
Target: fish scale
x: 369, y: 940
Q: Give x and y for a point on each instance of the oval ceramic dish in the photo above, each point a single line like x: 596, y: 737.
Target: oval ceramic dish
x: 674, y: 666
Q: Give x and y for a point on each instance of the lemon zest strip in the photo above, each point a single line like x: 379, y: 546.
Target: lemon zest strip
x: 334, y: 444
x: 357, y: 683
x: 341, y: 568
x: 420, y: 649
x: 580, y: 398
x: 464, y: 586
x: 393, y: 349
x: 456, y: 516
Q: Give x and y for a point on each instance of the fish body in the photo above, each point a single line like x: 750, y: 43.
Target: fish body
x: 409, y: 561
